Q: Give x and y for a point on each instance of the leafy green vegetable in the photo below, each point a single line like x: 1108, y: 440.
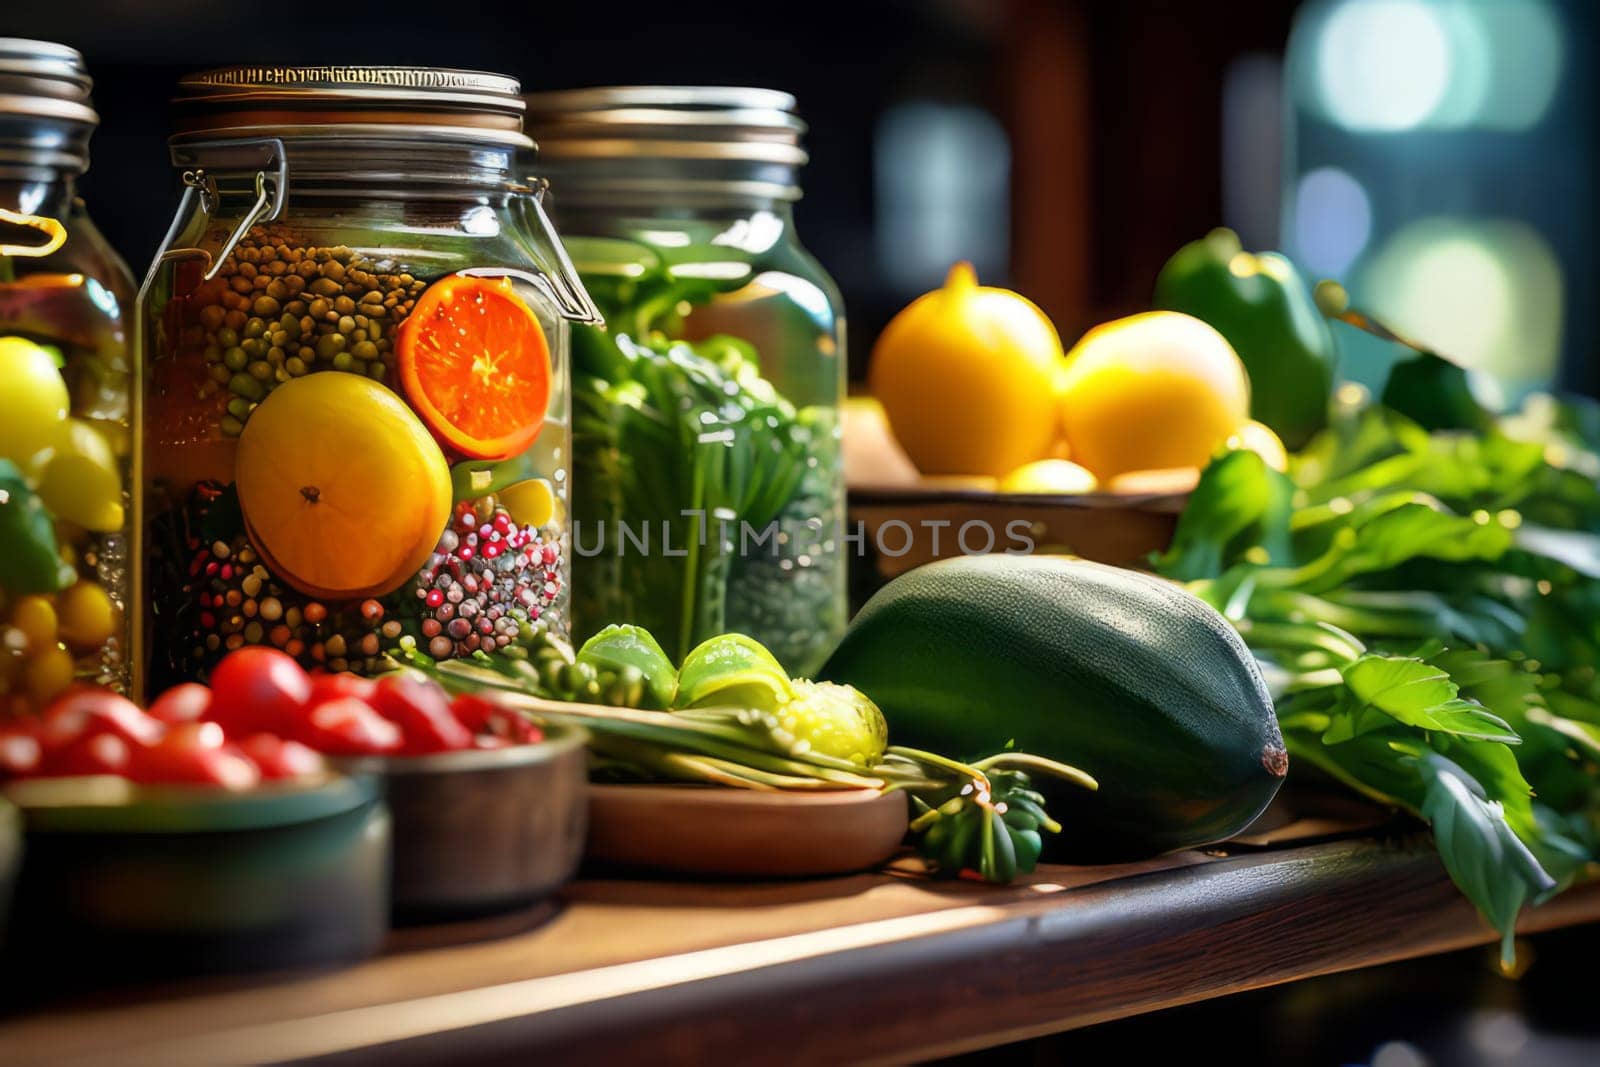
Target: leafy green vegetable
x: 731, y: 492
x: 684, y: 446
x: 1426, y: 608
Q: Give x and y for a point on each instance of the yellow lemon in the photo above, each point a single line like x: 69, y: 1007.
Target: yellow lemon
x: 1259, y: 438
x: 1159, y: 390
x: 531, y: 503
x: 33, y: 399
x: 344, y: 491
x: 1049, y: 476
x: 966, y: 376
x: 80, y: 482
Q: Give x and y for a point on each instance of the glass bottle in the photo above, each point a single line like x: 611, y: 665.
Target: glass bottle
x: 356, y: 433
x: 708, y: 486
x: 65, y: 381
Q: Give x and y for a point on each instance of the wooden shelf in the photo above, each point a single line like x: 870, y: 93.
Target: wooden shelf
x: 872, y: 967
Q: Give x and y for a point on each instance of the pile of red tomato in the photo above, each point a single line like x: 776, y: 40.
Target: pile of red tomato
x: 262, y: 718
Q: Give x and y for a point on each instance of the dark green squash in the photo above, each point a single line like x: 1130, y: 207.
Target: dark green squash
x: 1125, y: 675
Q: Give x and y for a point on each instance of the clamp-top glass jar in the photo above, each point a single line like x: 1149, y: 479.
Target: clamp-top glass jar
x: 65, y: 387
x: 708, y: 487
x: 356, y: 435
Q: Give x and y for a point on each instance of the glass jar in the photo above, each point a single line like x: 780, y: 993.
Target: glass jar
x: 709, y: 492
x: 356, y: 422
x: 65, y: 379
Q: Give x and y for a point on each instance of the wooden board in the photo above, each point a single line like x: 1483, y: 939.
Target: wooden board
x: 873, y: 967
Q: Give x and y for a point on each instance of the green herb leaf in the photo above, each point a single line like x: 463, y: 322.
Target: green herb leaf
x: 1417, y: 693
x: 1485, y: 858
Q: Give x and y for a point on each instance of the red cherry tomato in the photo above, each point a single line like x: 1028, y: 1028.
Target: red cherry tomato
x: 278, y: 758
x: 258, y: 690
x: 195, y: 753
x: 20, y: 753
x: 346, y: 726
x: 474, y: 712
x: 84, y: 711
x: 484, y: 717
x: 188, y: 702
x: 90, y: 754
x: 422, y: 711
x: 326, y: 686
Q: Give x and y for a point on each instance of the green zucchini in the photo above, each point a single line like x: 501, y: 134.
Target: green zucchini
x: 1120, y: 673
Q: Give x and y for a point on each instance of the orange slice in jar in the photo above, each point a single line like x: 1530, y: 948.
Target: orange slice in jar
x: 474, y: 362
x: 344, y: 492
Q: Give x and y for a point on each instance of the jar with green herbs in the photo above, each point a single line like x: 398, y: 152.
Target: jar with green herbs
x: 65, y: 383
x: 356, y: 443
x: 708, y: 490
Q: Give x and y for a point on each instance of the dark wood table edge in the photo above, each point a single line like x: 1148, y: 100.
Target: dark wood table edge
x: 908, y: 989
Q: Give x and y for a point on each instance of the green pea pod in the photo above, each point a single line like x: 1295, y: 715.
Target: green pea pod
x: 621, y: 647
x: 933, y: 838
x: 998, y: 862
x: 1018, y: 819
x: 1028, y: 844
x: 963, y: 831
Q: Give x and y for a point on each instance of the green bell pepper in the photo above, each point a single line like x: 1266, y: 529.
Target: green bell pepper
x: 1259, y: 302
x: 30, y: 557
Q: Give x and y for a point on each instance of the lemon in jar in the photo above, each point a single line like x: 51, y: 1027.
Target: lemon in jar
x: 33, y: 400
x: 80, y: 482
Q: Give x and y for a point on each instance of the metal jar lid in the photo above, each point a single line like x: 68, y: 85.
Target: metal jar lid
x: 650, y: 137
x: 46, y: 115
x: 404, y: 103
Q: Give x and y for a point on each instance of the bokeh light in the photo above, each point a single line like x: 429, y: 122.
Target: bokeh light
x: 1332, y: 221
x: 1393, y: 65
x: 1485, y: 293
x: 1383, y: 64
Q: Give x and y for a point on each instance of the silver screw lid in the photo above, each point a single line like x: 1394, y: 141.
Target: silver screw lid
x: 46, y: 115
x: 670, y: 138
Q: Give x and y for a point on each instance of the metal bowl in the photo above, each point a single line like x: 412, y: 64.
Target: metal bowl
x: 123, y: 882
x: 483, y: 830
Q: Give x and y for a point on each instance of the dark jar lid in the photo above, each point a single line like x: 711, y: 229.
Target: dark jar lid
x: 403, y: 103
x: 46, y: 116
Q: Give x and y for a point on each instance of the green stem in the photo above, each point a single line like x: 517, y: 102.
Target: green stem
x: 1028, y: 762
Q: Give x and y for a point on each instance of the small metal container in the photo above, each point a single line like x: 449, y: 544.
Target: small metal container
x: 483, y: 831
x: 124, y: 882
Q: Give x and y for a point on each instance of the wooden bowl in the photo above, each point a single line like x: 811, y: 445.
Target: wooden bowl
x: 742, y: 833
x: 482, y: 830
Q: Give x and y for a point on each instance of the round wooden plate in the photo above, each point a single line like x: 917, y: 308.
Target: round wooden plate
x: 708, y: 830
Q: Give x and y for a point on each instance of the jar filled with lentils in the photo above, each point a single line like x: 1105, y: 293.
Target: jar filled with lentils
x: 355, y: 428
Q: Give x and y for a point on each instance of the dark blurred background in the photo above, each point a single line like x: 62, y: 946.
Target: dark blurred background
x: 1067, y: 147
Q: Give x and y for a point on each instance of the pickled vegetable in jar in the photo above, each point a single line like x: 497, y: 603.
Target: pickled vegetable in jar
x: 709, y: 486
x: 65, y: 380
x: 356, y: 443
